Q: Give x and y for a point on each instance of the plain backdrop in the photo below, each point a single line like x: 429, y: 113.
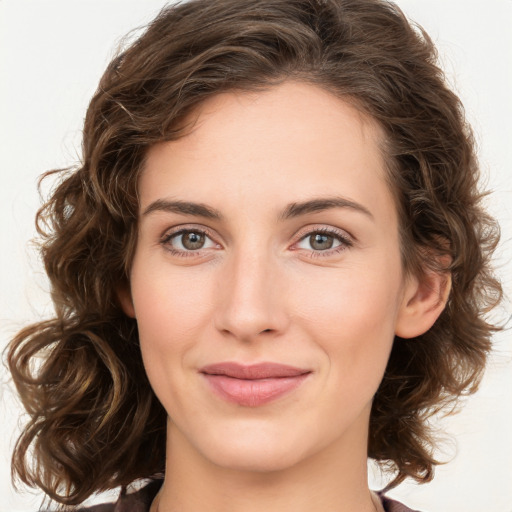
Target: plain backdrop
x: 52, y: 54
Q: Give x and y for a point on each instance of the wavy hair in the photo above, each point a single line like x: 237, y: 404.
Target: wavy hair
x: 95, y: 422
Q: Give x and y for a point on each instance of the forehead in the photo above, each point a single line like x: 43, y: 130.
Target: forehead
x: 283, y: 143
x: 291, y: 111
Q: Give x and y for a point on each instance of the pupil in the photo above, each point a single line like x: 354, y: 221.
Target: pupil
x: 321, y: 242
x: 193, y: 240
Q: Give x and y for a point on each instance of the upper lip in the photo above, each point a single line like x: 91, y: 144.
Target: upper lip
x: 253, y: 371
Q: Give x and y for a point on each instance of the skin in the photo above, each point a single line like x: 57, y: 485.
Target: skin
x: 260, y: 290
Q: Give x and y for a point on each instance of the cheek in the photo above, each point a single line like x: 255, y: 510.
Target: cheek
x: 170, y: 309
x: 351, y: 316
x: 168, y: 301
x: 358, y: 296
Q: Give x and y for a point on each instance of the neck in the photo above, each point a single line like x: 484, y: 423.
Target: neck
x: 333, y: 479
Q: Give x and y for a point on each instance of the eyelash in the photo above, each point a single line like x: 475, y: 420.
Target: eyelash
x: 345, y: 241
x: 165, y: 241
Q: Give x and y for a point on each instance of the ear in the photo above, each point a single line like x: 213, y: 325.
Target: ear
x: 124, y: 296
x: 424, y: 299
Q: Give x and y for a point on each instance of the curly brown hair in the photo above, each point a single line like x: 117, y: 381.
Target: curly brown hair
x: 95, y: 422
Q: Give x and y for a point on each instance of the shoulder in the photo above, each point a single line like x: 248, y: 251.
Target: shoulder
x: 394, y: 506
x: 139, y: 501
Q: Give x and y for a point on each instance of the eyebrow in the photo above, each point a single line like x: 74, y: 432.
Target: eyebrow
x: 293, y: 210
x: 183, y: 207
x: 321, y: 204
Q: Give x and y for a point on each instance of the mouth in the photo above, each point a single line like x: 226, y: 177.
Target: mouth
x: 253, y: 385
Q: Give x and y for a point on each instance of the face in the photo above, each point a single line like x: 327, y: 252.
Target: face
x: 267, y: 282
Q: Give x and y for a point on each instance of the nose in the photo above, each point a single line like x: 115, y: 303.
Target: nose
x: 252, y: 298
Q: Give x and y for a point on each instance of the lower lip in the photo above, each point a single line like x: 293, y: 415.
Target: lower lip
x: 253, y: 393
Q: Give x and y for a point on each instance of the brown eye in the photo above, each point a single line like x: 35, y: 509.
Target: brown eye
x: 192, y: 240
x: 187, y: 241
x: 321, y: 241
x: 326, y: 241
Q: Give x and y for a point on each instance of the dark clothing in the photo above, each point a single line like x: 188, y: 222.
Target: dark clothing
x: 393, y: 506
x: 140, y: 501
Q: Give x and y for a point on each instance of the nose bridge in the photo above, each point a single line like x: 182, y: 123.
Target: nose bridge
x: 249, y: 289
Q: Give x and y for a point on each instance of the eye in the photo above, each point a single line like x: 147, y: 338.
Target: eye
x: 320, y: 241
x: 324, y: 241
x: 187, y: 240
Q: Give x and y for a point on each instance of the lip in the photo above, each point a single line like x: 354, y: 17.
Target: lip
x: 253, y: 385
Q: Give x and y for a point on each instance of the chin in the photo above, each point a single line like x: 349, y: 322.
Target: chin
x: 255, y: 452
x: 256, y: 460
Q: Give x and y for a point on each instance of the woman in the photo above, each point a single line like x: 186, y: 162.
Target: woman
x: 271, y: 265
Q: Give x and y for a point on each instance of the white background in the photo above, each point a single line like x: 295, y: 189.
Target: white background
x: 52, y: 53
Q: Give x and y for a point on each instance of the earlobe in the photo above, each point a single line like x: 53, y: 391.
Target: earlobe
x: 124, y: 296
x: 424, y: 300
